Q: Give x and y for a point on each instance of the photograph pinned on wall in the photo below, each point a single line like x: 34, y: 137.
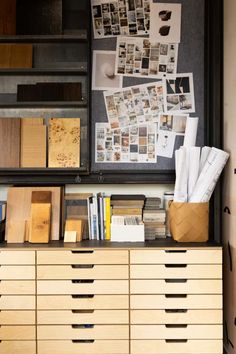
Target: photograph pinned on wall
x: 165, y: 144
x: 165, y: 22
x: 136, y: 144
x: 179, y: 94
x: 113, y: 18
x: 134, y: 105
x: 104, y: 77
x: 140, y: 57
x: 173, y: 123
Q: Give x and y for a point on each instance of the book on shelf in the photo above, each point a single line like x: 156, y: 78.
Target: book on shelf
x: 99, y: 217
x: 3, y: 207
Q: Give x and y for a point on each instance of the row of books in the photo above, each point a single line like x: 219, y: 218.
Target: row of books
x: 99, y: 217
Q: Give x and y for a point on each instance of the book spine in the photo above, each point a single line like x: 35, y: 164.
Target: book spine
x: 108, y: 217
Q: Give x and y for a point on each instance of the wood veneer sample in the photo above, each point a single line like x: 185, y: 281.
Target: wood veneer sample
x: 33, y: 146
x: 32, y: 121
x: 10, y: 142
x: 19, y: 208
x: 16, y: 231
x: 7, y: 17
x: 41, y: 197
x: 16, y: 56
x: 40, y: 219
x: 64, y: 142
x: 75, y: 225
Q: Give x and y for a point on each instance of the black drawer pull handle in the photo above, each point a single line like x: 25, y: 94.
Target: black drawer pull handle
x: 82, y: 281
x: 230, y: 257
x: 176, y: 280
x: 82, y: 296
x: 176, y: 325
x: 176, y: 340
x: 83, y: 341
x: 83, y: 266
x: 88, y: 326
x: 176, y: 265
x: 82, y: 311
x: 81, y: 252
x: 173, y: 296
x: 176, y: 251
x: 176, y: 311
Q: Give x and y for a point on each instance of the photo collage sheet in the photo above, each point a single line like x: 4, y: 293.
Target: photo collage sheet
x: 142, y: 120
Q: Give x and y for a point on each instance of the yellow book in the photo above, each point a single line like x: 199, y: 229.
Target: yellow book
x: 108, y: 218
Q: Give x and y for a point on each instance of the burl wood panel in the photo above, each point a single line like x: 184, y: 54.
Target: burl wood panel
x: 64, y: 142
x: 9, y: 142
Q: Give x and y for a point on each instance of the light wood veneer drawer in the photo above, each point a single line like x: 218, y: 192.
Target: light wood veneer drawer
x: 83, y: 257
x: 17, y: 272
x: 165, y: 347
x: 186, y: 332
x: 17, y: 257
x: 96, y: 347
x: 97, y: 287
x: 17, y: 332
x: 17, y: 318
x: 17, y: 302
x: 83, y: 317
x: 76, y: 333
x: 159, y: 302
x: 97, y: 302
x: 187, y: 271
x: 188, y: 256
x: 18, y: 347
x: 176, y: 316
x: 202, y: 286
x: 17, y: 287
x: 72, y: 272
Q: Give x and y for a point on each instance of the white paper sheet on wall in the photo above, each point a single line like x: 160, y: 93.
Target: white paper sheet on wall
x: 191, y: 132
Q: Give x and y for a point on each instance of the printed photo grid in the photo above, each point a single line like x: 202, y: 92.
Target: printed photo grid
x: 120, y: 17
x: 140, y: 57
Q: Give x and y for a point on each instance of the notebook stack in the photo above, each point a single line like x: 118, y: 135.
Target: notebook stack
x: 128, y: 206
x: 154, y: 219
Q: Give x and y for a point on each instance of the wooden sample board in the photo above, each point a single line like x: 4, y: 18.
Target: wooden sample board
x: 19, y: 210
x: 7, y: 17
x: 9, y: 142
x: 33, y: 144
x: 16, y: 56
x: 40, y: 219
x: 64, y: 142
x: 77, y: 226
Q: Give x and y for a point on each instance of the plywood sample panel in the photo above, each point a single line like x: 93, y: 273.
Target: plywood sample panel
x: 33, y: 146
x: 64, y: 142
x: 16, y: 56
x: 9, y: 142
x: 7, y: 17
x: 40, y: 223
x: 19, y: 209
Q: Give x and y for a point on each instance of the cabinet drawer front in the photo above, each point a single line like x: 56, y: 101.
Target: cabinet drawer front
x: 96, y: 347
x: 188, y: 271
x: 71, y: 272
x: 17, y: 287
x: 83, y: 317
x: 97, y: 302
x: 188, y: 347
x: 18, y: 347
x: 83, y: 257
x: 187, y: 332
x: 17, y: 333
x: 17, y: 318
x: 17, y: 302
x: 176, y: 316
x: 176, y: 287
x: 17, y: 257
x: 187, y: 256
x: 159, y: 302
x: 17, y: 272
x: 64, y: 287
x: 76, y: 333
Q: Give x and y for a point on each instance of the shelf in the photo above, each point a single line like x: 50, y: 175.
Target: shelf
x: 79, y: 38
x: 45, y: 104
x: 43, y: 71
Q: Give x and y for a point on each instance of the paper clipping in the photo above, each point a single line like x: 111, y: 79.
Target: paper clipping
x: 136, y: 144
x: 104, y: 77
x: 166, y: 144
x: 140, y: 57
x: 173, y: 123
x: 120, y: 17
x: 165, y: 22
x: 134, y: 105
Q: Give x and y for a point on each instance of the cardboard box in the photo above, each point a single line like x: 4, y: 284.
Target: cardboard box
x: 189, y: 221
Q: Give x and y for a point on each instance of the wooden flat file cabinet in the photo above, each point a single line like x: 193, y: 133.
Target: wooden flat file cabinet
x: 111, y: 301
